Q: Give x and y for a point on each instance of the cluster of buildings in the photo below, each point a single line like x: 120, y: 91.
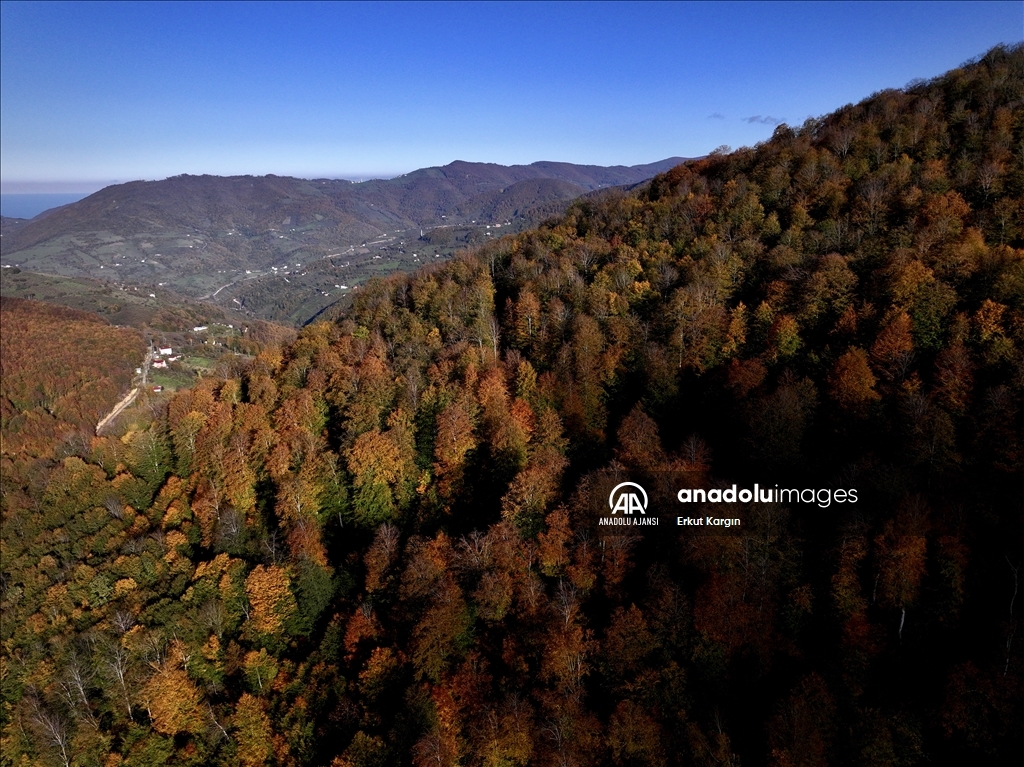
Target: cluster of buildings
x: 163, y: 356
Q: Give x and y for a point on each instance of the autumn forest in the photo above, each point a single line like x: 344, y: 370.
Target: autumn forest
x: 375, y: 545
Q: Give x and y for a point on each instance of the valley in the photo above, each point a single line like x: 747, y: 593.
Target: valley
x: 282, y: 248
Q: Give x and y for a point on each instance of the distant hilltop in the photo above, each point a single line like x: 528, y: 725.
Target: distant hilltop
x: 204, y: 236
x: 451, y: 193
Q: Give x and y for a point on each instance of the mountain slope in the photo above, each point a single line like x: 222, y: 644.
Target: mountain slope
x: 383, y: 544
x: 199, y: 233
x: 61, y: 370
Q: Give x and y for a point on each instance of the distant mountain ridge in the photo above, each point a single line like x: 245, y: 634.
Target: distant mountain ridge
x: 420, y: 198
x: 197, y: 234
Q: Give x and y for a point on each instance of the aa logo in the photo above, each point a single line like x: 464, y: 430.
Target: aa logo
x: 626, y: 501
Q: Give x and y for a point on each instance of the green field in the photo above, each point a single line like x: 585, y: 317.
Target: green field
x: 203, y: 363
x: 171, y: 379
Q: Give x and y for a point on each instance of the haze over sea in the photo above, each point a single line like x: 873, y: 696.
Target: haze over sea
x: 31, y: 205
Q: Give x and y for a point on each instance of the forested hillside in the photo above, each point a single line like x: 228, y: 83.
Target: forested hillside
x: 376, y: 546
x: 61, y: 370
x: 283, y: 249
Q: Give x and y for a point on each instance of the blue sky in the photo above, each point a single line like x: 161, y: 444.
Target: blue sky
x: 95, y: 93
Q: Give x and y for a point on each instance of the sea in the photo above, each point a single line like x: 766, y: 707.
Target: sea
x: 31, y: 205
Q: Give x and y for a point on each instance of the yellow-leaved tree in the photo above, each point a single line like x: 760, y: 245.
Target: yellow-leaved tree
x: 271, y: 598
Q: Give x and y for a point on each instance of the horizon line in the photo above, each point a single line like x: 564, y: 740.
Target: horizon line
x: 90, y: 186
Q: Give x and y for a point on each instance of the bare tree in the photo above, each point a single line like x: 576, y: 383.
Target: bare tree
x: 988, y: 177
x: 494, y: 331
x: 566, y: 602
x: 73, y: 683
x: 270, y: 547
x: 116, y: 665
x: 842, y: 140
x: 212, y: 617
x: 230, y: 525
x: 114, y: 507
x: 123, y: 620
x: 52, y: 728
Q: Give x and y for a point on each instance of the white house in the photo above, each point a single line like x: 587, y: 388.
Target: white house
x: 166, y: 351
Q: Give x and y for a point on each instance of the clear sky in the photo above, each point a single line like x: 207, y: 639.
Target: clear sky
x: 93, y: 93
